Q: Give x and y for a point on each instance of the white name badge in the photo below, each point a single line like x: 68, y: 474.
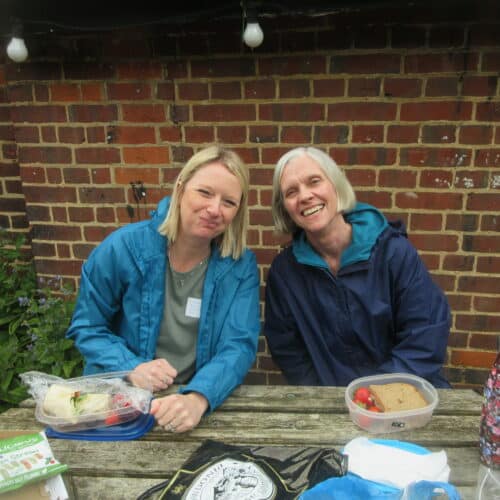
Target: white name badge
x: 193, y: 308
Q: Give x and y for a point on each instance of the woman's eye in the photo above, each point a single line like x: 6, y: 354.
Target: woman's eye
x: 230, y: 203
x: 290, y: 193
x: 204, y: 192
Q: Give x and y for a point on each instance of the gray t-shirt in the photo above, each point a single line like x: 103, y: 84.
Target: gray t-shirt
x: 181, y: 313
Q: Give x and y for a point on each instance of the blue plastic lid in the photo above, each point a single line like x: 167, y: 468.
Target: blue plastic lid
x: 121, y: 432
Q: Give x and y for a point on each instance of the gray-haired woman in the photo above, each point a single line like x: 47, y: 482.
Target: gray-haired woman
x: 350, y: 296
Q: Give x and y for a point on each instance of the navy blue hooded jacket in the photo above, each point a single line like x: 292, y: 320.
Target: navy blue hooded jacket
x: 381, y: 313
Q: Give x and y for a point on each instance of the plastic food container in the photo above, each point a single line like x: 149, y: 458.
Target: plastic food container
x: 88, y: 402
x: 388, y: 422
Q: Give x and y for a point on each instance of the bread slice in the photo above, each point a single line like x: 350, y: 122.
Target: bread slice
x: 398, y: 396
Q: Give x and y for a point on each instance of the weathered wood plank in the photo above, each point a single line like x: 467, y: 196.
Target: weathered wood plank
x: 154, y: 459
x: 457, y: 435
x: 322, y: 400
x: 467, y: 492
x: 130, y: 488
x: 321, y: 429
x: 22, y: 419
x: 290, y: 428
x: 108, y: 488
x: 279, y: 429
x: 464, y: 464
x: 158, y: 460
x: 332, y: 400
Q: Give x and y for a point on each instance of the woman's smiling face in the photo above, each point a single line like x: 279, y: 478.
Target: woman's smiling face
x: 308, y: 195
x: 209, y: 202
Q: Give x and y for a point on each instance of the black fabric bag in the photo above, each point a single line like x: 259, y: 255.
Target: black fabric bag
x: 218, y: 471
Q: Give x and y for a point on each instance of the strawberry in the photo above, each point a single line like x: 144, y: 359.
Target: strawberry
x: 112, y: 419
x: 362, y: 394
x: 121, y: 401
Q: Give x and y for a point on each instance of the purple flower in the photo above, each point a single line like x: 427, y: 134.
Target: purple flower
x: 23, y: 301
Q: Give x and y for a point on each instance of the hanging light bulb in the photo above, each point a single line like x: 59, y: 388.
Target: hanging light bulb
x: 253, y: 35
x: 17, y: 50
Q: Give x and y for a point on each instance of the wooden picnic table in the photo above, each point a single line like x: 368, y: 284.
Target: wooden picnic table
x: 254, y: 415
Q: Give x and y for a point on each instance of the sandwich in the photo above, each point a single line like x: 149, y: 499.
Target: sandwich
x: 397, y: 396
x: 64, y: 402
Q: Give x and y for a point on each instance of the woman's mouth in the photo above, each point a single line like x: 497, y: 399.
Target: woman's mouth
x: 211, y: 224
x: 312, y: 210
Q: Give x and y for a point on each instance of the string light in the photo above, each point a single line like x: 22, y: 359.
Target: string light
x: 17, y: 50
x: 253, y: 35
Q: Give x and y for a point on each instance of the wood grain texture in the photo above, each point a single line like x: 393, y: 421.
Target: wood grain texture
x: 85, y: 488
x: 321, y: 400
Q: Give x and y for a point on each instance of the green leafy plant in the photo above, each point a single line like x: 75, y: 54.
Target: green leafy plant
x: 34, y: 317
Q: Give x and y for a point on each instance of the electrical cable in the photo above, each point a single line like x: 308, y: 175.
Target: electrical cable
x: 139, y: 193
x: 229, y: 10
x: 174, y: 19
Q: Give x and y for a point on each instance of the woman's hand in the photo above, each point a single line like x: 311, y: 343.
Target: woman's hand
x: 153, y: 375
x: 179, y: 412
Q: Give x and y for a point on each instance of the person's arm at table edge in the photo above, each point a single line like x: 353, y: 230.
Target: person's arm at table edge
x: 285, y: 343
x: 421, y: 341
x: 99, y: 299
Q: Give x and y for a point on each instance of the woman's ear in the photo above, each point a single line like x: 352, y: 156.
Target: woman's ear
x: 180, y: 189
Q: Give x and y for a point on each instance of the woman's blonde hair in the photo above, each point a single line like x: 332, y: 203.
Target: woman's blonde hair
x: 346, y: 199
x: 233, y: 241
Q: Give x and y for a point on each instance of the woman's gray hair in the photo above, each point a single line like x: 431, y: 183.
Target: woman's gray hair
x: 233, y: 241
x: 346, y: 198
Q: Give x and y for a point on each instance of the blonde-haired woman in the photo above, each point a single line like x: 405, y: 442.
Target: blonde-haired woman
x: 176, y: 298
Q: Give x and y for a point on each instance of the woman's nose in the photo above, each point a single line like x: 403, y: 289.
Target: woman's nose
x: 304, y: 193
x: 213, y: 208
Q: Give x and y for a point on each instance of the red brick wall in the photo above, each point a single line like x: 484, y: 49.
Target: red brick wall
x: 408, y: 102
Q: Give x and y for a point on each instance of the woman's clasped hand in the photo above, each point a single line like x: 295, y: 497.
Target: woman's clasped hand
x: 155, y: 375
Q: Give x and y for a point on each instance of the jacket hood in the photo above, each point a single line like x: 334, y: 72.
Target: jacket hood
x: 158, y: 215
x: 367, y: 224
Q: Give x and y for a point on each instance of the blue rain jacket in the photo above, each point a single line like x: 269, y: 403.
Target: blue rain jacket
x: 119, y: 309
x: 381, y: 313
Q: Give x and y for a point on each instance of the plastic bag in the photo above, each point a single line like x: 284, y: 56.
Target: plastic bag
x: 69, y: 405
x: 426, y: 490
x: 395, y: 463
x: 351, y: 487
x: 488, y: 484
x: 380, y: 476
x: 226, y: 472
